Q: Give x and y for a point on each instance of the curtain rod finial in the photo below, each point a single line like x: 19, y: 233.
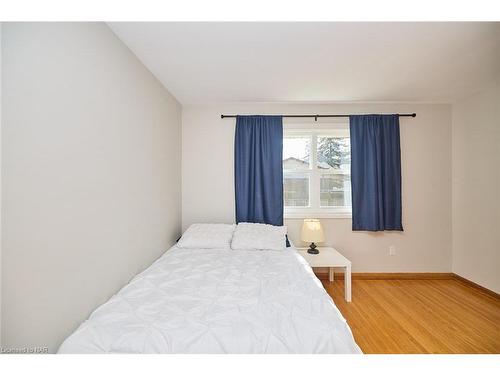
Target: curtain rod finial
x: 413, y: 115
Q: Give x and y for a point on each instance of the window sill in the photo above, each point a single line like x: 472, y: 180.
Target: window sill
x: 318, y: 215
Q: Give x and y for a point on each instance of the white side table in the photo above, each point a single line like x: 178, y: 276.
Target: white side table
x: 329, y: 257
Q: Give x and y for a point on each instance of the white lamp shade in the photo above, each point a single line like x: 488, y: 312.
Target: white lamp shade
x: 312, y: 231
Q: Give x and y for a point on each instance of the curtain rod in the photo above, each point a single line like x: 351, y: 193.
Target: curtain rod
x: 319, y: 116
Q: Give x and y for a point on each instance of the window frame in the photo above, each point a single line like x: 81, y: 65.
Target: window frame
x: 315, y: 210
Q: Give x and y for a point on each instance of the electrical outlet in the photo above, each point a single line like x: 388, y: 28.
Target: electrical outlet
x: 392, y: 250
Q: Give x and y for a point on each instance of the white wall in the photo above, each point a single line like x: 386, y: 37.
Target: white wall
x: 476, y: 188
x: 90, y: 175
x: 0, y: 185
x: 425, y: 245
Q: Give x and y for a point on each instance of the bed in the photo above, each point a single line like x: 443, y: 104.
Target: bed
x: 218, y: 301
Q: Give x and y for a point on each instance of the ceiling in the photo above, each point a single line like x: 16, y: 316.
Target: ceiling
x: 267, y: 62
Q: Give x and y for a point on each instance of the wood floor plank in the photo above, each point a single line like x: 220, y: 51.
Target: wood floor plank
x: 401, y: 306
x: 419, y: 316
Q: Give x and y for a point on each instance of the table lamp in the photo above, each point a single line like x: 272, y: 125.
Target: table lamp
x: 312, y: 232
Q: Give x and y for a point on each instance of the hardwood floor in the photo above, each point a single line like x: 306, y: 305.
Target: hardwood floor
x: 419, y: 316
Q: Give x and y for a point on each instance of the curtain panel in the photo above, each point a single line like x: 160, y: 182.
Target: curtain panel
x: 375, y: 173
x: 258, y: 170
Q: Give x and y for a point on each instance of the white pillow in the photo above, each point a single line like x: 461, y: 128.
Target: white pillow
x: 252, y: 236
x: 207, y: 236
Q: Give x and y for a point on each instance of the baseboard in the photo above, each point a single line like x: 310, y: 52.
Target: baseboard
x: 408, y: 276
x: 476, y: 286
x: 391, y: 276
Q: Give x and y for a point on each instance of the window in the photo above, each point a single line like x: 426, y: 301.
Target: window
x: 296, y: 168
x: 316, y: 173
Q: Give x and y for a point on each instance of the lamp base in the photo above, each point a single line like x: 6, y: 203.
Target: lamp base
x: 312, y: 249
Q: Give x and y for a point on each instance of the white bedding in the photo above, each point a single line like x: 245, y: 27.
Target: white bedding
x: 218, y: 301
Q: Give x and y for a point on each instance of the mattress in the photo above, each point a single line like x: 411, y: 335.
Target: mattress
x: 218, y: 301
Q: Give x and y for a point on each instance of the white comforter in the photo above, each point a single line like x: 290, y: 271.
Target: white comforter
x: 218, y: 301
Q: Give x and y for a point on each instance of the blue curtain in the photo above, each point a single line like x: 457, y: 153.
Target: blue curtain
x: 258, y: 169
x: 375, y: 172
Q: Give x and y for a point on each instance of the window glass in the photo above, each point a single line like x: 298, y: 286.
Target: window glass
x: 316, y: 171
x: 296, y: 152
x: 333, y: 153
x: 296, y: 190
x: 335, y: 190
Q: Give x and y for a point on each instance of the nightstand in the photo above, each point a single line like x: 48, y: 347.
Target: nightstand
x: 329, y: 257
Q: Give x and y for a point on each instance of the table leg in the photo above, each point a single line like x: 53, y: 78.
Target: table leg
x: 347, y: 283
x: 330, y: 276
